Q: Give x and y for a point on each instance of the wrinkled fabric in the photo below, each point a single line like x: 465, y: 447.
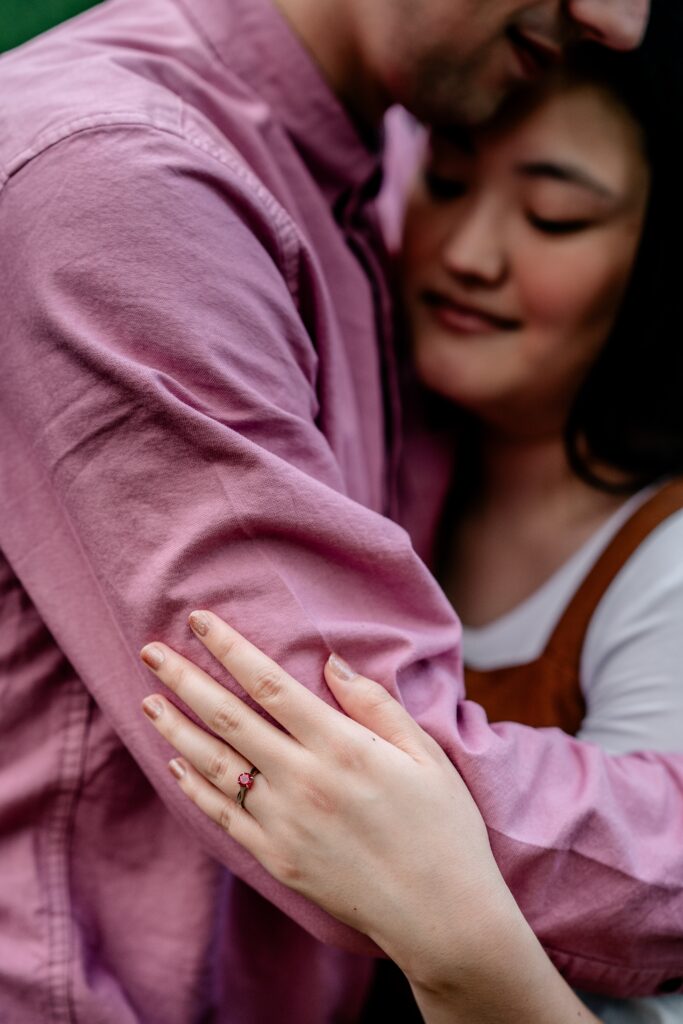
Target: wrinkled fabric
x: 198, y: 406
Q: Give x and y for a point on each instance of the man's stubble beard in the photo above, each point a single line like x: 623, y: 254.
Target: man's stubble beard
x: 446, y: 92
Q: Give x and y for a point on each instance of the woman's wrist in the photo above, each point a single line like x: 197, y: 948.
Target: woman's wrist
x: 497, y: 972
x: 463, y: 948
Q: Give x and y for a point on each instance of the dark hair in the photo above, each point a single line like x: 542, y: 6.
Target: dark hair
x: 628, y: 413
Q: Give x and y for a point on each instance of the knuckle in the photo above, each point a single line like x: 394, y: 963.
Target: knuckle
x: 347, y: 755
x: 224, y: 819
x: 172, y: 729
x: 284, y: 868
x: 291, y: 875
x: 226, y: 647
x: 225, y: 719
x: 267, y: 685
x: 318, y: 797
x: 217, y: 768
x: 177, y: 677
x: 378, y: 698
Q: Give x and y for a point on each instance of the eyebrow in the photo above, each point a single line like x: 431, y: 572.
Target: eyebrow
x: 565, y: 172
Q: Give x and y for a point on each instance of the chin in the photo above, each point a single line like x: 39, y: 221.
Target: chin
x: 444, y: 380
x: 470, y: 110
x: 483, y: 107
x: 486, y: 96
x: 442, y: 101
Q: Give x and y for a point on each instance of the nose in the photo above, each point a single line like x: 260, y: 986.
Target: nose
x: 619, y: 24
x: 474, y: 250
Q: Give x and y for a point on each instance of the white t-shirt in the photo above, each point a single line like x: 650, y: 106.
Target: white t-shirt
x: 631, y: 672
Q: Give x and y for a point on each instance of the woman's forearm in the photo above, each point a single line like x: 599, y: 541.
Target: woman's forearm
x: 510, y: 980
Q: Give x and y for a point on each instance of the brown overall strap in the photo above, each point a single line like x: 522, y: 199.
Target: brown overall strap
x: 566, y: 642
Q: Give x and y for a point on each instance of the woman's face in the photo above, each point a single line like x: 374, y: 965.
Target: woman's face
x: 519, y: 243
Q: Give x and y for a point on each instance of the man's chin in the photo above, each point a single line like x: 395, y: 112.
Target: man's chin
x: 470, y: 107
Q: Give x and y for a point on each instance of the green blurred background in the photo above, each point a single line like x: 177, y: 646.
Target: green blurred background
x: 22, y: 19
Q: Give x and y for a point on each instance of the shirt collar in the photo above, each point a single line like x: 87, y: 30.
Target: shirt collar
x: 254, y: 41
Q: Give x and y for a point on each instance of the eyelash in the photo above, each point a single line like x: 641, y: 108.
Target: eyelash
x: 444, y: 190
x: 558, y: 227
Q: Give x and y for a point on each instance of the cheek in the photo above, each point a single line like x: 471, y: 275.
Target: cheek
x: 574, y: 296
x: 416, y: 232
x: 420, y: 246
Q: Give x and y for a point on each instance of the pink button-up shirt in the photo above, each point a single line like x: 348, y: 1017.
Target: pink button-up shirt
x: 198, y: 408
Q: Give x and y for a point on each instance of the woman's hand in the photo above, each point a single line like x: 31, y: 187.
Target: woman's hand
x: 365, y: 816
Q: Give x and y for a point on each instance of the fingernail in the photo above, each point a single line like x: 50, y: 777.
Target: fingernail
x: 340, y: 668
x: 152, y: 707
x: 199, y: 624
x: 177, y: 769
x: 152, y: 656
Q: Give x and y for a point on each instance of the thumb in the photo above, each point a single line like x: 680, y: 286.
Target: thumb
x: 371, y: 705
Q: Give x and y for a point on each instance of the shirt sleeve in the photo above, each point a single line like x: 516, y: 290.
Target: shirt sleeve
x: 633, y: 655
x: 162, y: 447
x: 162, y: 451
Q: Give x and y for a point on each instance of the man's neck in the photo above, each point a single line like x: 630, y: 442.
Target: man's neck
x: 328, y: 31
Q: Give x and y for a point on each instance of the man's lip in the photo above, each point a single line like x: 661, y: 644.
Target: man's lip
x: 468, y: 317
x: 535, y: 54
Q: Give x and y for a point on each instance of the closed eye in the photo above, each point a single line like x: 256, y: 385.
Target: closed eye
x: 559, y: 227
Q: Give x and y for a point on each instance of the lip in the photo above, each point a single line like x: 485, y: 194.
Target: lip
x: 535, y: 55
x: 465, y: 319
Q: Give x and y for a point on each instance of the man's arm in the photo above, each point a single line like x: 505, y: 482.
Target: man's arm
x: 161, y: 448
x: 162, y: 451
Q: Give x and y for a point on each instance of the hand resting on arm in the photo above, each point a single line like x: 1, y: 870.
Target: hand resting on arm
x: 365, y: 816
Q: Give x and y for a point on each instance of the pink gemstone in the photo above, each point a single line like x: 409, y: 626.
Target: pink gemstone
x: 245, y: 779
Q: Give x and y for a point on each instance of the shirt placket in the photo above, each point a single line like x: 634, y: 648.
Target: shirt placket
x: 355, y: 215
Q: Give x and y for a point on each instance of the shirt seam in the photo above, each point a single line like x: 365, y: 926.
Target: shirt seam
x: 590, y: 958
x: 289, y: 241
x: 59, y: 834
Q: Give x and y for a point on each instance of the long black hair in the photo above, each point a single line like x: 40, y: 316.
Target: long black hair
x: 628, y: 413
x: 625, y: 427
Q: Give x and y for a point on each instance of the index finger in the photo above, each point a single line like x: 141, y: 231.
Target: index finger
x: 301, y: 712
